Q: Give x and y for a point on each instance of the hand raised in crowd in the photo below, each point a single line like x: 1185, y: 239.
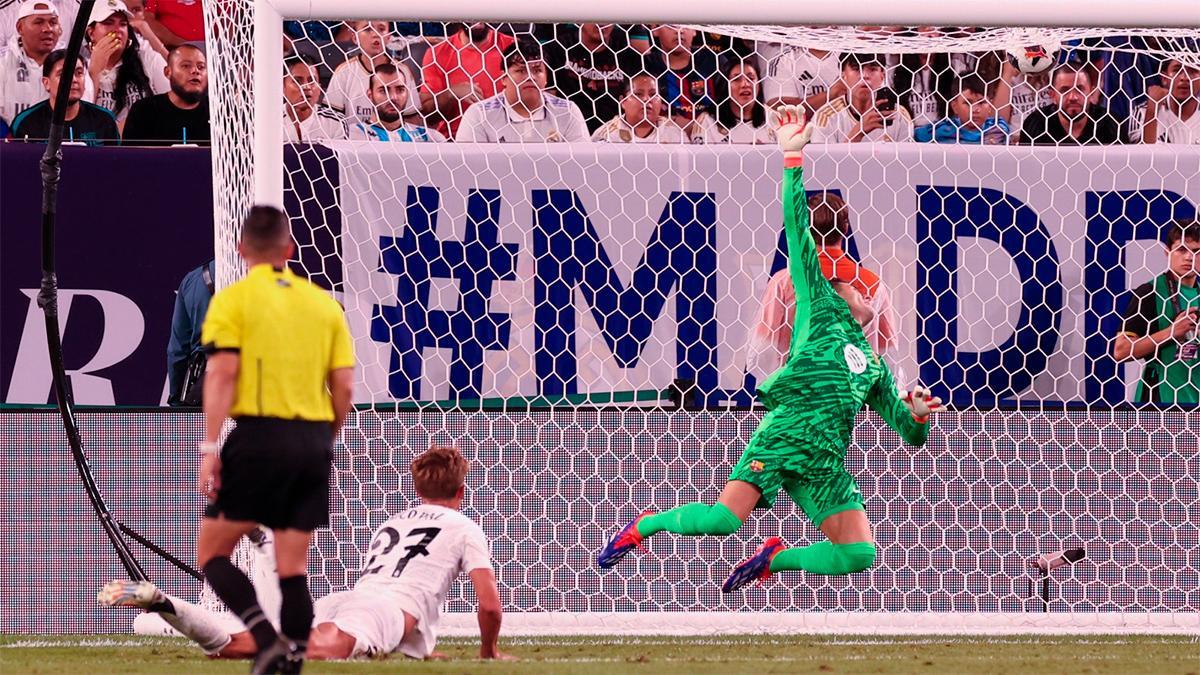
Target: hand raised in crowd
x: 1008, y: 70
x: 139, y: 25
x: 142, y: 28
x: 467, y: 92
x: 870, y: 121
x: 684, y: 120
x: 1185, y: 322
x: 838, y: 89
x: 104, y: 52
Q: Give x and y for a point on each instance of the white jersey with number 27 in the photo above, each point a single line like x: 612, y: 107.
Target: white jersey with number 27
x: 417, y: 553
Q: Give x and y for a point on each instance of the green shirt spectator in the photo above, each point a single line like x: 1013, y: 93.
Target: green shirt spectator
x: 1160, y: 324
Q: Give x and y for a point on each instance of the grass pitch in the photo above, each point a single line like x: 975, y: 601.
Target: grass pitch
x: 606, y: 655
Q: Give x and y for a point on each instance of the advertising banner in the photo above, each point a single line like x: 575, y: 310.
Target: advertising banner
x: 499, y: 271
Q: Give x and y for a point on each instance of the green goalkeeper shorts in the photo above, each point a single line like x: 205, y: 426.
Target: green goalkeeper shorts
x: 782, y: 454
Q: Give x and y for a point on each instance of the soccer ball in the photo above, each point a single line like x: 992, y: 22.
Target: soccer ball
x: 1035, y: 58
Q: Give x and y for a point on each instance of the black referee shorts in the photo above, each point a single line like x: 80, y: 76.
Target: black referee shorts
x: 276, y: 472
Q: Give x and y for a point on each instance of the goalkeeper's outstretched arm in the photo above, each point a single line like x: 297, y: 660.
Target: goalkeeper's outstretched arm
x: 907, y: 412
x: 793, y: 133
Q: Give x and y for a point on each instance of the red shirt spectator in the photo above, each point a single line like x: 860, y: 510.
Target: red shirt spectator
x: 467, y: 67
x: 176, y: 21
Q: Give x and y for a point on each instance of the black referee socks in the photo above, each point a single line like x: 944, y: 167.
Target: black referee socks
x: 296, y: 610
x: 236, y: 591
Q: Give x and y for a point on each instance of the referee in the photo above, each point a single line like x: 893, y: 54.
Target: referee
x: 281, y: 364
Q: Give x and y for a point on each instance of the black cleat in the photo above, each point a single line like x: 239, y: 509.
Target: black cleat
x: 281, y: 657
x: 293, y: 663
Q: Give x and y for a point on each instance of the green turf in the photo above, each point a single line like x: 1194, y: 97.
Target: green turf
x: 690, y: 656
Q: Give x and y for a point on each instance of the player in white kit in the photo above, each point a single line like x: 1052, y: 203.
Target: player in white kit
x: 394, y: 607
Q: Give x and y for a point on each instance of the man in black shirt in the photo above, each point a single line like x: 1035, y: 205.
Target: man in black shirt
x: 587, y: 71
x: 85, y: 122
x: 1070, y: 119
x: 181, y: 114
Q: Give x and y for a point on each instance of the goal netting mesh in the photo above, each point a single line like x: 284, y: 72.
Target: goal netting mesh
x: 618, y: 284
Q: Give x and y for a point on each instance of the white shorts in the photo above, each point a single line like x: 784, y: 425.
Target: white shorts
x: 375, y: 620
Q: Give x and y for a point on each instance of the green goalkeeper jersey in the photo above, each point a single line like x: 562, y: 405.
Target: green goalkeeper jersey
x: 830, y: 370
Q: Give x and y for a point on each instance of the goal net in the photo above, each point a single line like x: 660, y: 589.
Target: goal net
x: 578, y: 316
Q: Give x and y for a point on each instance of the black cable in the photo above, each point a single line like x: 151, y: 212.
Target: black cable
x: 48, y: 295
x: 166, y: 555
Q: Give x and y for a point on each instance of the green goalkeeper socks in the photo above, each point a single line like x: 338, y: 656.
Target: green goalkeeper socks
x: 826, y: 558
x: 694, y: 518
x: 821, y: 558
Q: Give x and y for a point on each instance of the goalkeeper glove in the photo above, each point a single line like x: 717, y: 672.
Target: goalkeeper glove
x: 921, y: 403
x: 792, y: 132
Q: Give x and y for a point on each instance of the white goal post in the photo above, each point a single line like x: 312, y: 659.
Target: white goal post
x: 1015, y: 469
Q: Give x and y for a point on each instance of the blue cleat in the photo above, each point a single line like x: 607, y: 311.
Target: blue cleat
x: 755, y: 568
x: 620, y: 546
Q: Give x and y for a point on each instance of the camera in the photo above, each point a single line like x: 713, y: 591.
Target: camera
x: 886, y: 101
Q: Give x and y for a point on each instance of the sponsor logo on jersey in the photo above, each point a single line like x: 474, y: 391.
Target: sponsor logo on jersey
x: 856, y: 361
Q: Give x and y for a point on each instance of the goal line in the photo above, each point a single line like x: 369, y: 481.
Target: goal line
x: 831, y: 623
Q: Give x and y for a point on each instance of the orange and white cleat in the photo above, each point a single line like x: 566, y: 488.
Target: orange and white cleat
x: 122, y: 593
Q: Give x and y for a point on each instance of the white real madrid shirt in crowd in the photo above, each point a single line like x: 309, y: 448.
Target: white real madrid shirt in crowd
x: 795, y: 72
x: 405, y: 133
x: 67, y: 11
x: 152, y: 63
x: 21, y: 82
x: 322, y: 125
x: 492, y: 120
x: 1026, y: 98
x: 743, y: 133
x: 1171, y: 127
x: 617, y: 130
x: 347, y: 90
x: 835, y: 121
x: 416, y: 555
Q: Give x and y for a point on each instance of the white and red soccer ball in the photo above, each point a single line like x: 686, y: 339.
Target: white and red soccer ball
x: 1034, y: 58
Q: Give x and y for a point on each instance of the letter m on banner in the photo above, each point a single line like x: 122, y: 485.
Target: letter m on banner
x: 681, y: 254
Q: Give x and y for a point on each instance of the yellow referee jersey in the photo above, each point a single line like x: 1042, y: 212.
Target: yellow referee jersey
x: 290, y: 333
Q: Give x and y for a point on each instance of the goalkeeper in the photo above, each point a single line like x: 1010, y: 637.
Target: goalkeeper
x: 812, y: 401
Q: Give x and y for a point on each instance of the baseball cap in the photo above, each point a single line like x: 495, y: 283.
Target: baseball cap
x: 106, y: 8
x: 31, y: 7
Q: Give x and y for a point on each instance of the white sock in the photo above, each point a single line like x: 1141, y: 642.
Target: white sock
x: 265, y: 578
x: 198, y: 624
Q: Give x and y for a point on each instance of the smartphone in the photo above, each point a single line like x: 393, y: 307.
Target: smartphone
x: 887, y: 100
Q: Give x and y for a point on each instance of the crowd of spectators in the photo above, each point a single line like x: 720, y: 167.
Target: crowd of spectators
x: 138, y: 81
x: 144, y: 66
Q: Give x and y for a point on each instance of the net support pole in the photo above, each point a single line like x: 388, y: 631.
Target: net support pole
x: 268, y: 106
